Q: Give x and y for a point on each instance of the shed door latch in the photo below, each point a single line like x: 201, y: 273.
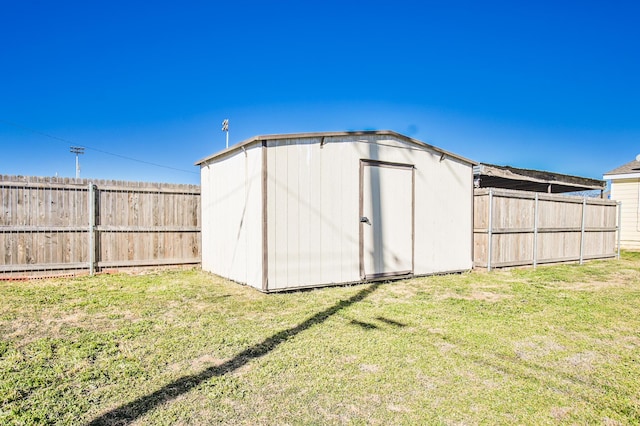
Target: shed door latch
x: 364, y: 219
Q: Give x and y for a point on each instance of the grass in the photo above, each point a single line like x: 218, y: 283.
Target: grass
x: 555, y: 345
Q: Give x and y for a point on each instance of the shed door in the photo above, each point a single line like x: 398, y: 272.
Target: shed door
x: 386, y: 219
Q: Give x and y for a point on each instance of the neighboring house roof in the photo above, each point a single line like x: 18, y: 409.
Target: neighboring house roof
x: 391, y: 133
x: 629, y: 170
x: 493, y: 176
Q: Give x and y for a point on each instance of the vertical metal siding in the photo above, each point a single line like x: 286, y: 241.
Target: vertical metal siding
x: 313, y: 209
x: 232, y: 217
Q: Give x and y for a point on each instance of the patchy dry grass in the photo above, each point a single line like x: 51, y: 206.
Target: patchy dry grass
x: 556, y: 345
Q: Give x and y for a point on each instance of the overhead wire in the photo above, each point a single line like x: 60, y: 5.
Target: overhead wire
x: 125, y: 157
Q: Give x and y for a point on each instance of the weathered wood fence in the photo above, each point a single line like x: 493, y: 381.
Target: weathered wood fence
x: 65, y: 226
x: 513, y: 228
x: 56, y: 226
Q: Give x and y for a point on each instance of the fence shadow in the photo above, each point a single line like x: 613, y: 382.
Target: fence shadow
x: 133, y: 410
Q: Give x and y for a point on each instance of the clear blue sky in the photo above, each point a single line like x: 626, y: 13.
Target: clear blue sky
x: 545, y: 85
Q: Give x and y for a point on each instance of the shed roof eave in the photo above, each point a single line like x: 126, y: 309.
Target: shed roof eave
x: 236, y: 147
x: 254, y: 139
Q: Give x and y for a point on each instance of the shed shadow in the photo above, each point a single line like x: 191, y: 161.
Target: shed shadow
x: 364, y: 325
x: 391, y: 322
x: 128, y: 413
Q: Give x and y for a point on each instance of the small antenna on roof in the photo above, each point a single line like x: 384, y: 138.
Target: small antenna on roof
x: 225, y: 128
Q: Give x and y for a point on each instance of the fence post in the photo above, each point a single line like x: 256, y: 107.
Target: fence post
x: 618, y: 227
x: 535, y: 233
x: 92, y: 226
x: 490, y: 229
x: 584, y: 214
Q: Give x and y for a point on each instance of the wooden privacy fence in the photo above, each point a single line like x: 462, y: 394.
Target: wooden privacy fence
x: 513, y: 228
x: 56, y: 226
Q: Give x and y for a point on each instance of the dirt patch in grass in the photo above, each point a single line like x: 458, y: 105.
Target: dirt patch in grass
x: 560, y: 413
x: 484, y: 296
x: 369, y: 368
x: 58, y: 324
x: 536, y: 348
x: 582, y: 360
x: 205, y: 361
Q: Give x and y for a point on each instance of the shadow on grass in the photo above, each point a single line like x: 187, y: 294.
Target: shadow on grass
x: 391, y: 322
x: 130, y: 412
x: 364, y: 325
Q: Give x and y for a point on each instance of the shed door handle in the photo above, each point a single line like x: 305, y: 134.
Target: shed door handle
x: 364, y: 219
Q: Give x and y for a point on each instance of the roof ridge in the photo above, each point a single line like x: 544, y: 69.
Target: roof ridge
x: 285, y: 136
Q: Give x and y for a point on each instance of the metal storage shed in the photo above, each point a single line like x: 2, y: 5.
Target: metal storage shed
x: 291, y: 211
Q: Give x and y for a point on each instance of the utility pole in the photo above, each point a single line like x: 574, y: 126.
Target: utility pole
x: 225, y: 128
x: 77, y: 150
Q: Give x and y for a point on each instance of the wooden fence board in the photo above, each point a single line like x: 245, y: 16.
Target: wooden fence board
x: 45, y: 225
x: 512, y: 236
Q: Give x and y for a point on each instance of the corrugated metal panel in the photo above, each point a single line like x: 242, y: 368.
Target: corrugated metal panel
x: 309, y: 243
x: 313, y: 208
x: 444, y: 205
x: 338, y: 211
x: 231, y: 217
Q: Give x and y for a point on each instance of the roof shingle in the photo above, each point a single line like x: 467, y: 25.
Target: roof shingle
x: 632, y: 167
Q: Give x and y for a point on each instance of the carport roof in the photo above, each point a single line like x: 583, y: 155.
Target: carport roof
x: 493, y: 176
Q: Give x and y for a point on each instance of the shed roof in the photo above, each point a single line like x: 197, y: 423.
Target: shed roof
x: 631, y: 169
x: 493, y: 176
x: 276, y: 137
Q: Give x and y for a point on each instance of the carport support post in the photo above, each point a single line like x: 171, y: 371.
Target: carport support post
x: 584, y: 214
x: 92, y: 226
x: 490, y: 229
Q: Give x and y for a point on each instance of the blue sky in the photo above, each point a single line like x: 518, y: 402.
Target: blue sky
x: 543, y: 85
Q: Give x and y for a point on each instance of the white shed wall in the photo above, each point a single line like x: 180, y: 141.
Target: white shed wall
x: 313, y: 208
x: 444, y: 221
x: 628, y: 192
x: 232, y: 216
x: 312, y: 214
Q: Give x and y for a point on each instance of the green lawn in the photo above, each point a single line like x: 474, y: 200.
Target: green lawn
x: 556, y: 345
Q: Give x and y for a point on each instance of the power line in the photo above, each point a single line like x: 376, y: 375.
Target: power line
x: 67, y: 141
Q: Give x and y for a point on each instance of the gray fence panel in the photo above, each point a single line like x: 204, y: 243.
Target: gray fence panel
x: 65, y: 226
x: 516, y: 228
